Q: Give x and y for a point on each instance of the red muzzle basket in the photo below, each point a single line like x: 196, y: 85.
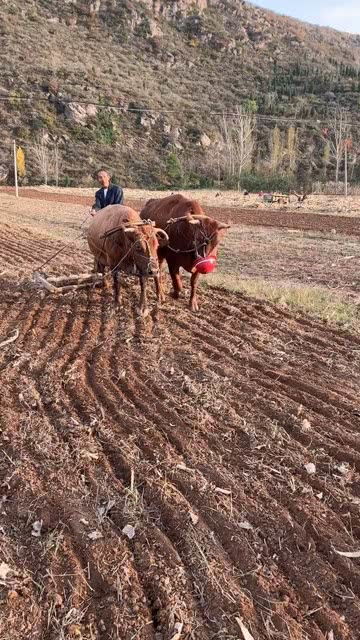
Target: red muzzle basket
x: 204, y: 265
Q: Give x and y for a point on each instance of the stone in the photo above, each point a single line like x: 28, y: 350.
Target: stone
x: 205, y: 141
x: 155, y: 30
x: 78, y: 113
x: 91, y: 110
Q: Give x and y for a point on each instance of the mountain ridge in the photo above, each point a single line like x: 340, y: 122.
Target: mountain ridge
x: 173, y: 57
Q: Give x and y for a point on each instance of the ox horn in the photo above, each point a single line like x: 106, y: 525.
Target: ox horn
x: 140, y: 223
x: 161, y: 232
x: 223, y: 225
x: 172, y: 220
x: 129, y: 229
x: 196, y: 218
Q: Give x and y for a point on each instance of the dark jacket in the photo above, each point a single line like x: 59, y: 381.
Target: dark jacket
x: 115, y: 195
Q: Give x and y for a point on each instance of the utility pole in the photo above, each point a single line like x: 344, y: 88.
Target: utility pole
x: 15, y: 171
x: 346, y: 169
x: 347, y: 145
x: 56, y: 164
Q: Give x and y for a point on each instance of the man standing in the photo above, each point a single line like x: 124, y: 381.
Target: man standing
x: 108, y: 194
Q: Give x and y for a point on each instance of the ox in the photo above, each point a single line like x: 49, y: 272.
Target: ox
x: 121, y: 241
x: 192, y: 234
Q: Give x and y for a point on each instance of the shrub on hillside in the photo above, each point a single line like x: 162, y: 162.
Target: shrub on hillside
x: 254, y: 182
x: 174, y: 170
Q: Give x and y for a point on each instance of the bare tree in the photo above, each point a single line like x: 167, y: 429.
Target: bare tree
x: 335, y: 135
x: 56, y: 162
x: 40, y: 153
x: 291, y: 149
x: 276, y: 149
x: 238, y: 142
x: 47, y: 158
x: 353, y: 161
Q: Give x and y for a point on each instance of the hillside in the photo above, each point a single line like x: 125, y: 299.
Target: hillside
x: 184, y: 61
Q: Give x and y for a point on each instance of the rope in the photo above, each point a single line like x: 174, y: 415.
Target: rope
x: 196, y: 247
x: 124, y: 257
x: 132, y: 246
x: 65, y: 245
x: 59, y: 251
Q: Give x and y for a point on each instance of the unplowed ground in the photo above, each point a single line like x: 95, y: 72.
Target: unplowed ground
x: 195, y: 430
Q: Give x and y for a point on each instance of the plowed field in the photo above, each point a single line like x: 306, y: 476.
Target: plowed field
x: 226, y: 442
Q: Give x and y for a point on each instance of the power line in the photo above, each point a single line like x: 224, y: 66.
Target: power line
x: 144, y: 110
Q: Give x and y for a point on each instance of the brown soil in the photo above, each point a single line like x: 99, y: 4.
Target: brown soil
x: 296, y: 219
x: 292, y: 257
x: 193, y: 429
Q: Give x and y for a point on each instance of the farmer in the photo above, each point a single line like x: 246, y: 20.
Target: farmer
x: 108, y: 194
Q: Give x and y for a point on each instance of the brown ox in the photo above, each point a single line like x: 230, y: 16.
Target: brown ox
x: 191, y: 234
x: 121, y: 241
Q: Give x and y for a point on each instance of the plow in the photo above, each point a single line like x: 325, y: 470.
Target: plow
x: 63, y: 284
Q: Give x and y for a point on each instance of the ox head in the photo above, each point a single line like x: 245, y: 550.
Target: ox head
x: 144, y: 239
x: 205, y: 233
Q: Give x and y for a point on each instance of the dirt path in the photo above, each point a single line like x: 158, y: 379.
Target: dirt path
x: 195, y: 431
x: 298, y: 219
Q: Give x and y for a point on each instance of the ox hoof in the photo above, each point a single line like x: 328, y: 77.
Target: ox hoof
x: 194, y: 306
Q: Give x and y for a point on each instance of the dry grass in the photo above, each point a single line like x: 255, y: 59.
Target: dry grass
x: 317, y: 301
x: 312, y: 272
x: 133, y: 509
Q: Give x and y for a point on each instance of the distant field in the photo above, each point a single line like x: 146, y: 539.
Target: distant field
x: 329, y: 205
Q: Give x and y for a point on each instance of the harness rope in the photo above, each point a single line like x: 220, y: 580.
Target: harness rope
x: 110, y: 232
x: 194, y: 249
x: 148, y: 258
x: 196, y: 246
x: 65, y: 245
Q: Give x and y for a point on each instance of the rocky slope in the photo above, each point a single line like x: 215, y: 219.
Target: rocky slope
x: 135, y: 85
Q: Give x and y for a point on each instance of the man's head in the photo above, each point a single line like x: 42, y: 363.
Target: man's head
x: 103, y: 178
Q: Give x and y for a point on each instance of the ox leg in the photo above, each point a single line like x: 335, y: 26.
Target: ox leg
x: 116, y: 281
x: 158, y: 289
x: 100, y: 268
x: 194, y: 281
x: 159, y: 283
x: 143, y: 299
x: 176, y: 280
